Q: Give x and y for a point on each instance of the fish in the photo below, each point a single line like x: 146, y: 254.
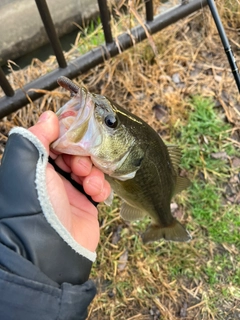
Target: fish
x: 141, y: 169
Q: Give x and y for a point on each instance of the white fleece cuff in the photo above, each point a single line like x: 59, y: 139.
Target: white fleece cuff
x: 43, y: 196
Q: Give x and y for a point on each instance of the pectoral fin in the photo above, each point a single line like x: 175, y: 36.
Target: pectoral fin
x: 174, y: 232
x: 130, y: 213
x: 109, y: 199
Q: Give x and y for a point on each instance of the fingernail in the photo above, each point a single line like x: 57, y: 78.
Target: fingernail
x: 45, y: 116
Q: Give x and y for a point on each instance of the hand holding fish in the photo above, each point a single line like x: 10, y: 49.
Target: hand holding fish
x: 48, y: 224
x: 76, y: 213
x: 48, y: 203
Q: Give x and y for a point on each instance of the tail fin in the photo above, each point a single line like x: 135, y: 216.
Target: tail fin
x: 174, y: 232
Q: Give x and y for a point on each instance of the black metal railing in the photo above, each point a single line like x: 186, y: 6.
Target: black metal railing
x: 51, y: 32
x: 14, y: 100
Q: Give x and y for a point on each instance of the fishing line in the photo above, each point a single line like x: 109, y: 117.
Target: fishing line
x: 225, y: 42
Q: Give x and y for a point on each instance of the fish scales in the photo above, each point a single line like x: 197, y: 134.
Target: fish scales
x: 140, y: 168
x: 147, y: 192
x: 146, y: 186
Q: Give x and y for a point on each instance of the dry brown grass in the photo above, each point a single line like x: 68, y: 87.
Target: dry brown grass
x: 164, y: 280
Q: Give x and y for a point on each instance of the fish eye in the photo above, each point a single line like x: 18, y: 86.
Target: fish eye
x: 111, y: 121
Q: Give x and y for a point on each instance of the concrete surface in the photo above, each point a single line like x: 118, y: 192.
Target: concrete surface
x: 4, y: 2
x: 22, y: 30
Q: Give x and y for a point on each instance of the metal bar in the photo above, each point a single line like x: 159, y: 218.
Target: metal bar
x: 8, y: 90
x: 105, y: 18
x: 51, y: 32
x: 225, y: 42
x: 149, y: 10
x: 96, y: 56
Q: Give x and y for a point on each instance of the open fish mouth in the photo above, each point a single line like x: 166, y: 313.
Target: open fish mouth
x: 76, y: 121
x: 74, y: 109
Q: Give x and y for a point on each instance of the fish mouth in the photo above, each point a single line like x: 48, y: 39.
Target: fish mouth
x: 73, y: 109
x: 83, y: 118
x: 77, y: 123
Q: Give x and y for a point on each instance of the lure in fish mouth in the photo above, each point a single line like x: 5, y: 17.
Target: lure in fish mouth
x: 140, y: 168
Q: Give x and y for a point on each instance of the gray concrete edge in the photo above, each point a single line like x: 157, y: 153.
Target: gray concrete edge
x: 22, y: 30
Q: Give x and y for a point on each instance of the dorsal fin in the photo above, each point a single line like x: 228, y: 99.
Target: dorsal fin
x: 175, y: 156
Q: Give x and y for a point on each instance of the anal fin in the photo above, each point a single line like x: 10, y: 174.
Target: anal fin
x: 174, y: 232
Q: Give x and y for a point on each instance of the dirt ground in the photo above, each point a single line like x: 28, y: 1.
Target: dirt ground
x: 189, y: 60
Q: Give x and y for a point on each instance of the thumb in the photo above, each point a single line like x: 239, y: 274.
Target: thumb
x: 46, y: 129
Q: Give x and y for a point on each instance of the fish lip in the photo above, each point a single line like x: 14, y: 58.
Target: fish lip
x: 82, y: 97
x: 86, y: 105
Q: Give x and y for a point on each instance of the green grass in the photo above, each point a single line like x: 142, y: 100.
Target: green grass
x: 218, y: 220
x: 206, y: 134
x: 221, y: 221
x: 91, y: 37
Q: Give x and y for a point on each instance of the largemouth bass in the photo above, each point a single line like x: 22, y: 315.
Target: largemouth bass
x: 140, y: 168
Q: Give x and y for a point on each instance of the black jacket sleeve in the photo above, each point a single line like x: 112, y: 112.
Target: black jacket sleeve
x: 41, y: 275
x: 28, y: 294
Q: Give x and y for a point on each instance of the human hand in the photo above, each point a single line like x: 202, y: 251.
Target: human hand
x: 76, y: 213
